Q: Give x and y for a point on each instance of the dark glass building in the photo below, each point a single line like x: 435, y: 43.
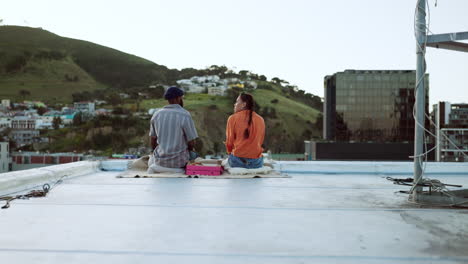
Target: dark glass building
x: 371, y: 106
x: 459, y: 115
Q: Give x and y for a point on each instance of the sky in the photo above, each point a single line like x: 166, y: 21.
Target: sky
x: 300, y: 41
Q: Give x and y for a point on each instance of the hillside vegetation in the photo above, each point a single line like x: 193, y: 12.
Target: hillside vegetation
x: 42, y: 62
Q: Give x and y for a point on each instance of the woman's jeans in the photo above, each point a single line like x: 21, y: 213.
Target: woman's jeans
x: 192, y: 155
x: 237, y: 162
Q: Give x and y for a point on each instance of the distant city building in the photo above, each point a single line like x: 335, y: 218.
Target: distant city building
x: 26, y: 122
x: 251, y: 84
x: 6, y: 103
x: 451, y: 131
x: 27, y: 113
x: 84, y: 106
x: 5, y: 160
x: 23, y: 122
x: 144, y: 95
x: 42, y: 125
x: 203, y: 84
x: 458, y: 115
x: 100, y: 102
x: 102, y: 111
x: 67, y: 118
x: 373, y: 105
x: 124, y: 95
x: 25, y: 137
x: 368, y: 115
x: 5, y: 122
x: 216, y: 91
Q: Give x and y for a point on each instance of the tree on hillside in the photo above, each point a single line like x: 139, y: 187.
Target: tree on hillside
x: 276, y: 80
x: 156, y: 93
x: 16, y: 63
x: 217, y: 70
x: 41, y: 110
x: 23, y: 93
x: 114, y: 99
x: 56, y: 122
x: 78, y: 119
x: 82, y: 96
x: 244, y: 73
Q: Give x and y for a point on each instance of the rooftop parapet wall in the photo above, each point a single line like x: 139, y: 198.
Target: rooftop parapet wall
x: 18, y: 181
x: 374, y: 168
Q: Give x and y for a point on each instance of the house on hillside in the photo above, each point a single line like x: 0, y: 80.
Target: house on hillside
x: 103, y: 112
x: 25, y: 129
x: 25, y: 137
x: 200, y: 84
x: 124, y: 95
x: 67, y: 117
x: 6, y: 103
x: 84, y: 106
x: 144, y: 95
x: 23, y: 122
x: 219, y: 90
x: 5, y: 122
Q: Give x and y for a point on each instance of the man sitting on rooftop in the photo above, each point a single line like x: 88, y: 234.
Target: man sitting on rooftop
x: 172, y: 134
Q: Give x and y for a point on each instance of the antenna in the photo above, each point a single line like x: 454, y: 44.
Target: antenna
x: 423, y: 39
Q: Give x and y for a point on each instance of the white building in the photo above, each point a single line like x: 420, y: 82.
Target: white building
x: 200, y: 84
x: 219, y: 90
x: 85, y: 106
x: 5, y: 159
x: 5, y: 122
x: 251, y: 84
x: 26, y: 137
x: 48, y: 117
x: 23, y: 122
x: 124, y: 95
x: 6, y: 103
x: 41, y: 124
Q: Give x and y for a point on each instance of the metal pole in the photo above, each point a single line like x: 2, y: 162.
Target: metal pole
x: 420, y: 92
x: 437, y: 119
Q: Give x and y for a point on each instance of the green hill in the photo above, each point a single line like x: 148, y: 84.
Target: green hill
x: 47, y: 64
x: 53, y: 68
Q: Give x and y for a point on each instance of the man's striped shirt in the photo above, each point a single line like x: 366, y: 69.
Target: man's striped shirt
x: 174, y: 127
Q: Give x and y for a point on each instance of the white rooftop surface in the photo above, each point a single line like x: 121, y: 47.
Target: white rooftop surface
x: 327, y: 212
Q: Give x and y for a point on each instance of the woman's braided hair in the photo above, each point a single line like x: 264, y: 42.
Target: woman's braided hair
x: 249, y: 105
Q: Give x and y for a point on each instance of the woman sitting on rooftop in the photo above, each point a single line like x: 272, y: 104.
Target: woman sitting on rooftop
x: 245, y: 132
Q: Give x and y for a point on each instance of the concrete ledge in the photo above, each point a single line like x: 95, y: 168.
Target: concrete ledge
x: 17, y: 181
x: 375, y: 168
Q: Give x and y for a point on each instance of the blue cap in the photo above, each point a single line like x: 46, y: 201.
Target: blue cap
x: 173, y: 92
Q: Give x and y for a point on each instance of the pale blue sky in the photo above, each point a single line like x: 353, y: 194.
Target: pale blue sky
x: 297, y: 40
